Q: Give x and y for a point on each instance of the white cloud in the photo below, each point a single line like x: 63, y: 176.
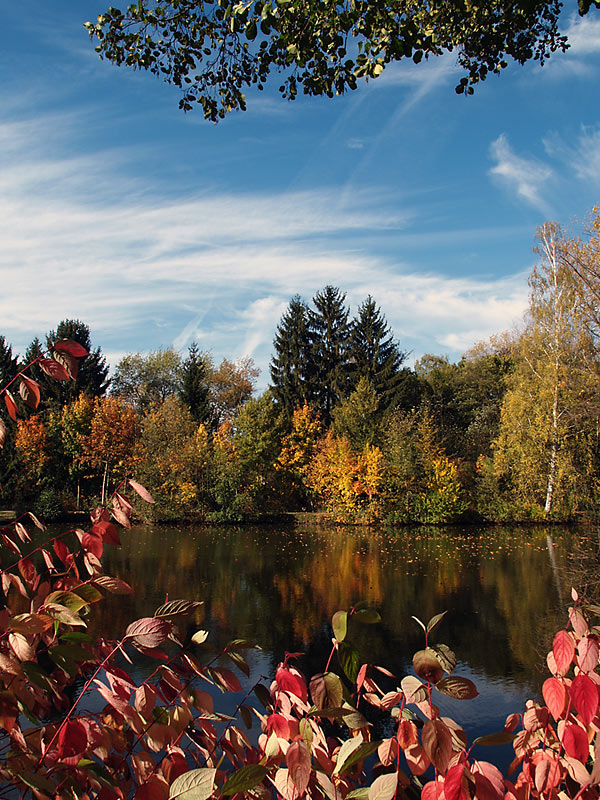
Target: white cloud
x: 525, y: 177
x: 583, y: 34
x: 81, y: 239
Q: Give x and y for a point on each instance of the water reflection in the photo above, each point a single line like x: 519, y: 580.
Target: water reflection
x: 280, y: 586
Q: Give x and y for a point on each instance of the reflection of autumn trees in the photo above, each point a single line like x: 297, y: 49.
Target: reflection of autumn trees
x: 280, y: 587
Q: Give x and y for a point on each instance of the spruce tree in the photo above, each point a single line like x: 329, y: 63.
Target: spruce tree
x: 195, y: 387
x: 92, y: 374
x: 375, y: 355
x: 292, y: 364
x: 329, y: 335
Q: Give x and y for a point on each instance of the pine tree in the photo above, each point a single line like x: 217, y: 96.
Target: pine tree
x: 329, y: 336
x: 375, y: 355
x: 92, y: 375
x: 195, y: 387
x: 291, y: 365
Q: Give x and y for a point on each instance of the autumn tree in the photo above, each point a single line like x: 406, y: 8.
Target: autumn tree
x: 551, y: 400
x: 75, y: 426
x: 357, y: 416
x: 142, y: 380
x: 109, y: 446
x: 214, y: 53
x: 231, y: 385
x: 292, y: 365
x: 171, y: 459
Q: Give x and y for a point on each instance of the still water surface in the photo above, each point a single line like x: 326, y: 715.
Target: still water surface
x: 505, y: 591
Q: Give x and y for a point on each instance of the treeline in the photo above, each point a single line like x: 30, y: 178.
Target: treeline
x: 509, y: 432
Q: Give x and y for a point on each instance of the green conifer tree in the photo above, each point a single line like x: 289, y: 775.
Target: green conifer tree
x: 194, y: 391
x: 329, y: 336
x: 292, y: 364
x: 375, y: 355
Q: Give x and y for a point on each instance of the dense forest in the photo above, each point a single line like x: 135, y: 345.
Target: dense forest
x: 509, y: 432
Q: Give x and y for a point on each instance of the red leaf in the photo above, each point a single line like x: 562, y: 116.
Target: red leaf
x: 407, y: 733
x: 434, y: 790
x: 143, y: 493
x: 71, y: 347
x: 154, y: 788
x: 279, y: 724
x: 489, y: 783
x: 584, y: 694
x: 360, y: 678
x: 453, y: 783
x: 53, y: 369
x: 291, y: 682
x: 72, y: 740
x: 555, y: 697
x: 29, y: 391
x: 576, y: 743
x: 148, y: 631
x: 11, y: 406
x: 121, y: 517
x: 62, y: 551
x: 173, y: 765
x: 107, y: 531
x: 68, y: 362
x: 99, y: 514
x: 227, y: 679
x: 9, y: 710
x: 2, y: 433
x: 92, y: 544
x: 563, y: 649
x: 298, y: 762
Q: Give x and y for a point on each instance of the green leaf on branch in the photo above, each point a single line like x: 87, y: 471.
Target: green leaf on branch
x: 367, y: 616
x: 245, y: 778
x: 435, y: 621
x: 339, y: 623
x: 349, y: 660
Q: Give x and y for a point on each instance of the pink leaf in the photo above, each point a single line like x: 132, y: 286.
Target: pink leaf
x: 584, y: 694
x: 489, y: 783
x: 434, y: 790
x: 555, y: 697
x: 148, y: 631
x: 11, y: 406
x: 563, y: 649
x: 143, y: 493
x: 587, y: 653
x: 298, y: 763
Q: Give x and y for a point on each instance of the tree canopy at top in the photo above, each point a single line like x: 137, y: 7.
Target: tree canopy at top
x: 214, y: 49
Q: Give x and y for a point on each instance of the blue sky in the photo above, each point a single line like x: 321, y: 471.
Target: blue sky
x: 157, y: 228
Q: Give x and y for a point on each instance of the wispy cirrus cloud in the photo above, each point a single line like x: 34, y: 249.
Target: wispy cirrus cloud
x: 526, y: 178
x: 82, y: 238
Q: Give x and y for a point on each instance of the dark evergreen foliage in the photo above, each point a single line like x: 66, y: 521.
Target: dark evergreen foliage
x: 92, y: 377
x: 292, y: 363
x: 330, y: 334
x: 195, y: 387
x: 375, y: 355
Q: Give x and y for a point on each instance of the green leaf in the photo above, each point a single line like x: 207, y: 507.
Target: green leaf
x: 35, y: 781
x: 38, y: 676
x: 240, y: 662
x: 89, y: 593
x: 358, y: 794
x: 197, y: 784
x: 245, y: 778
x: 76, y: 636
x: 361, y: 752
x: 349, y: 660
x: 339, y: 623
x: 503, y: 737
x: 435, y: 621
x: 246, y: 716
x: 69, y: 600
x: 263, y: 696
x: 368, y: 616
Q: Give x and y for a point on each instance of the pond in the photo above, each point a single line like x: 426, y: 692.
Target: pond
x: 505, y: 590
